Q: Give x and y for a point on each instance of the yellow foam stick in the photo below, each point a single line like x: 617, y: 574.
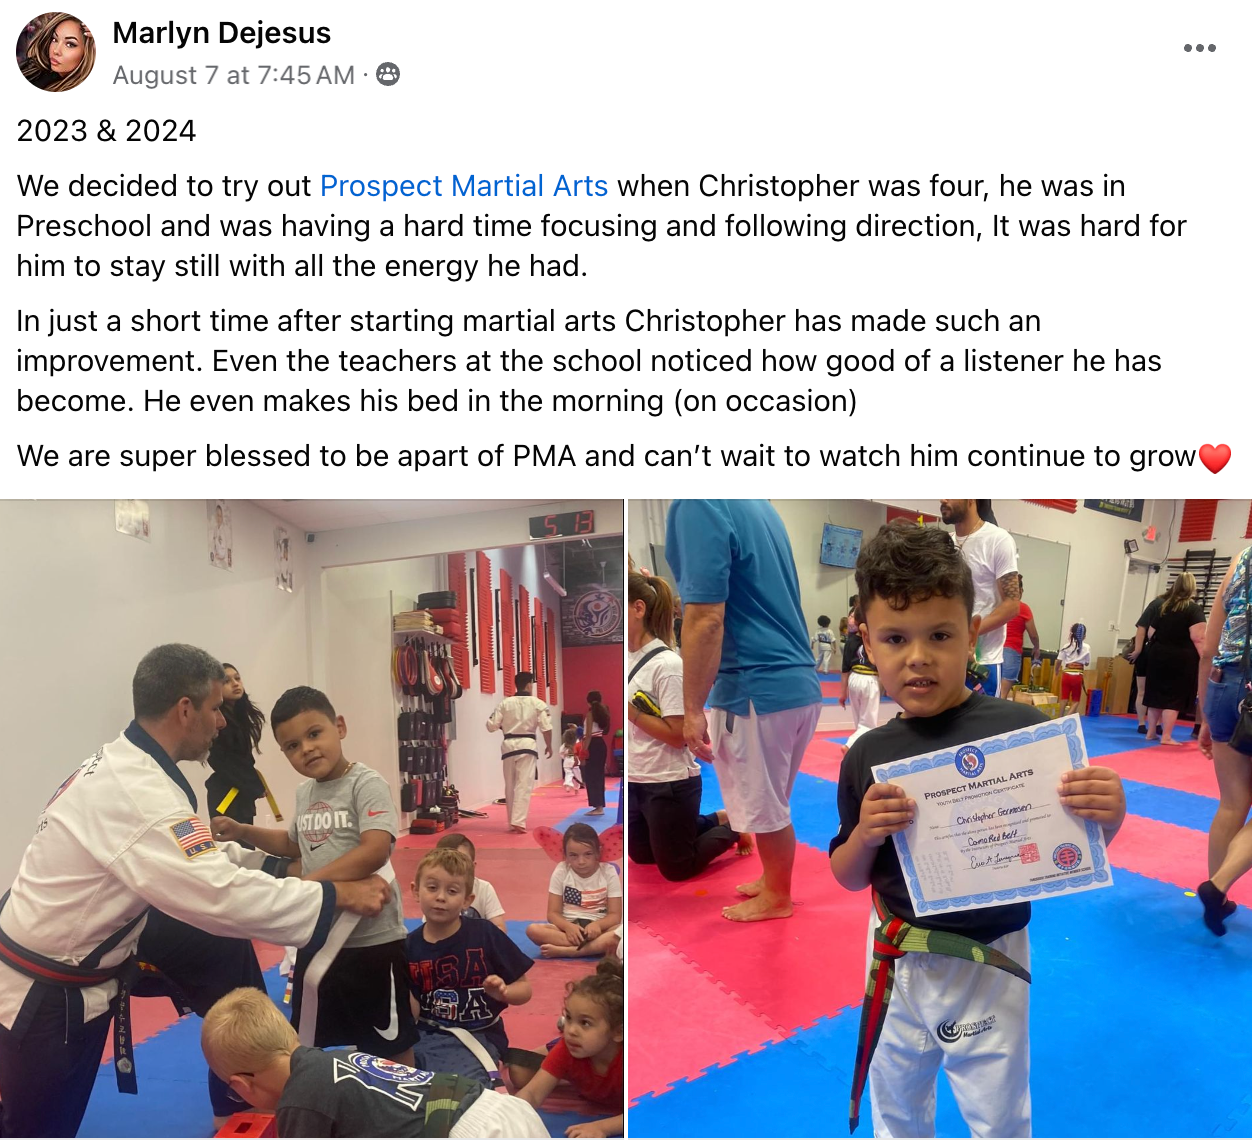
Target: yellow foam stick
x: 230, y: 797
x: 269, y: 797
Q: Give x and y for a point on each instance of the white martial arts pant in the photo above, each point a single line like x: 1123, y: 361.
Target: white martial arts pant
x: 863, y: 695
x: 519, y: 781
x: 757, y: 758
x: 824, y: 652
x: 972, y: 1019
x: 497, y: 1116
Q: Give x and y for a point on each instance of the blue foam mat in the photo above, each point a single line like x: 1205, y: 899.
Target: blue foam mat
x: 601, y: 822
x: 1145, y: 1043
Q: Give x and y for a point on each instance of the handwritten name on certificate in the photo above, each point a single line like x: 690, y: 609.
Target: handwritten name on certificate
x: 990, y: 828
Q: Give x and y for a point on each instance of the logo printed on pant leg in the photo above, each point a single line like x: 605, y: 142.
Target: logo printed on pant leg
x: 949, y: 1032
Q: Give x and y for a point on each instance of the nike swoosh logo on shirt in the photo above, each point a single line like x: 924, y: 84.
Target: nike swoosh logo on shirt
x: 389, y: 1033
x: 371, y: 813
x: 317, y: 847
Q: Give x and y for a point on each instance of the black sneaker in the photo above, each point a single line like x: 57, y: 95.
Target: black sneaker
x: 1143, y: 728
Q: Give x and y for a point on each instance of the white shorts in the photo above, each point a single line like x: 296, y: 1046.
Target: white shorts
x: 496, y: 1116
x: 757, y: 758
x: 972, y: 1019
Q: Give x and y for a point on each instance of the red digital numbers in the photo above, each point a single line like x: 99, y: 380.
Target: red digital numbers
x: 584, y: 522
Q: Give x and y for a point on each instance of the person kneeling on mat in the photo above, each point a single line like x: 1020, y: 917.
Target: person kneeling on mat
x: 251, y: 1047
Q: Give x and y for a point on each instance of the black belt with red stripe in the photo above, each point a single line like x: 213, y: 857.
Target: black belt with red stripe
x: 129, y: 975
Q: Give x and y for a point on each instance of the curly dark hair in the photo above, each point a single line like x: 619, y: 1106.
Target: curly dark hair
x: 606, y: 988
x: 906, y: 564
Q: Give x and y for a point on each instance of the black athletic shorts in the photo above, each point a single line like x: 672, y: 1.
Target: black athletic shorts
x: 363, y: 1001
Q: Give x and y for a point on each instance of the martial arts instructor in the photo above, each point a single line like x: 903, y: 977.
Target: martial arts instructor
x: 118, y: 836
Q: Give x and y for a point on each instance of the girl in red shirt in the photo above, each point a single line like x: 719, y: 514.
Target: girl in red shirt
x: 590, y: 1052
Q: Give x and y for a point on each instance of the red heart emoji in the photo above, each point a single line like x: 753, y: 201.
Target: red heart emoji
x: 1214, y: 457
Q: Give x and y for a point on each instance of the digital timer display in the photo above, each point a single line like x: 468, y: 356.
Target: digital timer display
x: 563, y: 524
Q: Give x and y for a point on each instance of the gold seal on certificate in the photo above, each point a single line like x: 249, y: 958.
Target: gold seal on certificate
x: 990, y: 828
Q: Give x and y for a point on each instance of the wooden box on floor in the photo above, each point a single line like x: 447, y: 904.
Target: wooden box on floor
x: 1118, y: 703
x: 1034, y: 698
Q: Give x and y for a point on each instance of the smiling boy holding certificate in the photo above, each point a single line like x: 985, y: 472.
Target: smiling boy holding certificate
x: 954, y: 991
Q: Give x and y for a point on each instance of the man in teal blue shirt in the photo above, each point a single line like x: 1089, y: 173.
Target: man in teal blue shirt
x: 746, y: 653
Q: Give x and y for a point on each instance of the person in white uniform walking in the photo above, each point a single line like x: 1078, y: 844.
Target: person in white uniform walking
x: 519, y: 717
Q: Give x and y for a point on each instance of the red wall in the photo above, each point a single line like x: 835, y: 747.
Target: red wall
x: 596, y: 668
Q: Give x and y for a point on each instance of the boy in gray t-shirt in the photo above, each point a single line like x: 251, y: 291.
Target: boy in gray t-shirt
x: 344, y: 828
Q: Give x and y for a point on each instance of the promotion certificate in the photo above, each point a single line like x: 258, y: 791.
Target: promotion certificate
x: 990, y: 828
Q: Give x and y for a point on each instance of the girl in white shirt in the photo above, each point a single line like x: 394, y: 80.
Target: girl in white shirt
x: 664, y: 788
x: 584, y: 901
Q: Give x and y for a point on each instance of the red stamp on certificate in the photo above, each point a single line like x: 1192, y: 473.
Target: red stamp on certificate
x: 1028, y: 853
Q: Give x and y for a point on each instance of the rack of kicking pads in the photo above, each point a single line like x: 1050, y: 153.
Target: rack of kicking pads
x: 427, y: 688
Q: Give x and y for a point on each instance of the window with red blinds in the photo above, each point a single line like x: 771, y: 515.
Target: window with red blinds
x: 508, y: 645
x: 486, y: 627
x: 1063, y: 505
x: 1198, y: 517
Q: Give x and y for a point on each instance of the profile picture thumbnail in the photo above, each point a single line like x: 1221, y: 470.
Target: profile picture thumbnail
x: 56, y: 51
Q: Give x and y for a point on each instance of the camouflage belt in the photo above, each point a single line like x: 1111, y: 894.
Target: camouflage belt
x: 893, y: 938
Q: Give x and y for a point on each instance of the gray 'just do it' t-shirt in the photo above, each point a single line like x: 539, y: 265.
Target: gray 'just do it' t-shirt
x: 329, y: 820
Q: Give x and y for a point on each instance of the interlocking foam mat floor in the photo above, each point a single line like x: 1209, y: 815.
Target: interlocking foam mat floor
x: 1137, y: 1022
x: 173, y: 1097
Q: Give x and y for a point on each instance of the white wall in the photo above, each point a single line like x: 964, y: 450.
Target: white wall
x: 83, y: 603
x: 1095, y: 592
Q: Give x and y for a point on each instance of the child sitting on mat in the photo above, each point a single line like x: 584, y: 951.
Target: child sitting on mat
x: 464, y: 973
x: 917, y: 599
x: 569, y: 760
x: 590, y: 1054
x: 485, y: 902
x: 584, y: 893
x: 249, y: 1045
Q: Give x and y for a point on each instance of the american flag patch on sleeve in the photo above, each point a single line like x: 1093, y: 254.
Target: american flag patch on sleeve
x: 193, y: 837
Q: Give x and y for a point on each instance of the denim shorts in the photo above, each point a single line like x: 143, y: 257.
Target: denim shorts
x: 1221, y: 703
x: 1011, y: 668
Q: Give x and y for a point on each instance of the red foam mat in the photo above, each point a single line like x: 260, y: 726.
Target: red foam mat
x: 1179, y: 768
x: 823, y: 759
x: 703, y: 1031
x: 831, y: 688
x: 1167, y: 853
x: 769, y: 965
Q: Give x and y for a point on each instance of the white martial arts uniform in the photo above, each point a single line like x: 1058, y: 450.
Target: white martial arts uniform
x: 520, y: 717
x: 864, y: 694
x: 120, y: 835
x: 105, y: 848
x: 823, y: 643
x: 972, y: 1019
